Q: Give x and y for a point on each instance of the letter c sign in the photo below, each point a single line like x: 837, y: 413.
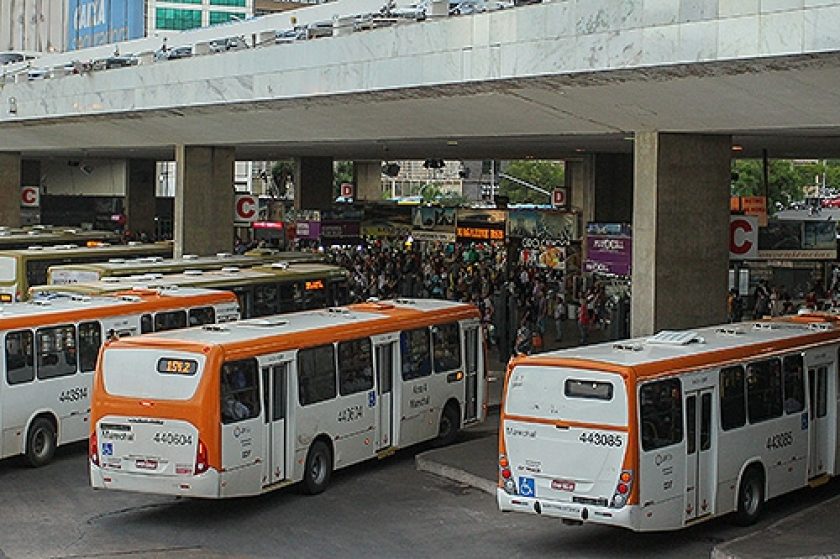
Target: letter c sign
x: 245, y: 208
x: 743, y: 237
x: 30, y: 197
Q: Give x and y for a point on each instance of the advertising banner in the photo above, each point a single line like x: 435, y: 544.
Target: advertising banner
x: 798, y: 240
x: 609, y: 255
x: 474, y: 225
x: 560, y: 227
x: 387, y: 221
x: 341, y: 226
x: 99, y: 22
x: 433, y: 224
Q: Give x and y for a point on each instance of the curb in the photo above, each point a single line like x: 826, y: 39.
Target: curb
x: 719, y: 551
x: 452, y: 473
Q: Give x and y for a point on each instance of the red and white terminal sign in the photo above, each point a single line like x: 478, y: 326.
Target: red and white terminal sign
x: 30, y: 197
x: 743, y: 237
x: 558, y: 198
x: 346, y: 190
x: 245, y: 209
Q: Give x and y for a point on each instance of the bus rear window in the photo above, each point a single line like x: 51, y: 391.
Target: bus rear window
x: 7, y: 269
x: 589, y: 389
x: 145, y: 373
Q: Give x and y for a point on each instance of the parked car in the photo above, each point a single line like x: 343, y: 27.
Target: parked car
x: 228, y: 43
x: 116, y: 61
x: 180, y: 52
x: 289, y: 35
x: 416, y: 11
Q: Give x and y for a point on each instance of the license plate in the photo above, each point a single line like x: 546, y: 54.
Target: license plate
x: 562, y: 485
x: 146, y: 464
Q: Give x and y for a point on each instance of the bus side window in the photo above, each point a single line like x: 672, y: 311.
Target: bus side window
x: 202, y: 315
x: 415, y: 353
x: 145, y: 324
x: 265, y: 300
x: 170, y: 320
x: 56, y: 351
x: 240, y: 391
x: 19, y: 360
x: 661, y: 414
x: 355, y: 366
x: 733, y: 407
x: 90, y: 338
x: 316, y: 374
x: 794, y: 384
x: 446, y: 341
x: 764, y: 390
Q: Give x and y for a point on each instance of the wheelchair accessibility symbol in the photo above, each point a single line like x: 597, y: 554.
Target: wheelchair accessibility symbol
x: 526, y: 487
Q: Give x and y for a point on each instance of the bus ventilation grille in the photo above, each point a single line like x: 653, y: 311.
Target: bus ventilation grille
x: 820, y: 326
x: 215, y: 328
x: 676, y: 337
x: 730, y: 332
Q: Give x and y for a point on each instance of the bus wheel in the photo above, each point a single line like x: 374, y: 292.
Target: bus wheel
x: 318, y: 468
x: 750, y: 498
x: 449, y: 421
x: 40, y: 443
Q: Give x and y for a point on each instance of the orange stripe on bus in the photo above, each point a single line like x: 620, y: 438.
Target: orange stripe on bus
x: 563, y: 423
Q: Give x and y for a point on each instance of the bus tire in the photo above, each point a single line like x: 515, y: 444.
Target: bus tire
x: 750, y: 497
x: 317, y: 469
x: 40, y: 443
x: 450, y: 420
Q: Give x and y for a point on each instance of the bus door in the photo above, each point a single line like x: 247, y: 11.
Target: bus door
x: 700, y: 453
x: 472, y: 385
x: 243, y: 443
x: 275, y: 391
x: 819, y: 435
x: 386, y: 422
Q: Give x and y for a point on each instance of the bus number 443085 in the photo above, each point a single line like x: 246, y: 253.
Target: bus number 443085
x: 600, y: 439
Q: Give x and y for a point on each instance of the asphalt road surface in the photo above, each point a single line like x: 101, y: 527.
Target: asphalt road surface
x: 377, y: 509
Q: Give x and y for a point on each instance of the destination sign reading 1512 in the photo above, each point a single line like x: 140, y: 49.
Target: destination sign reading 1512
x: 480, y: 233
x: 177, y: 366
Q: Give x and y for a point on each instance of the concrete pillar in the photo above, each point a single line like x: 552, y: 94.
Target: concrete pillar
x: 140, y: 196
x: 579, y: 177
x: 367, y: 175
x: 10, y: 173
x: 680, y: 231
x: 314, y: 183
x: 203, y: 200
x: 601, y: 187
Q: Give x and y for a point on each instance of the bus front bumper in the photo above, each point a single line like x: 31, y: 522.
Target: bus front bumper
x: 204, y: 485
x: 625, y: 517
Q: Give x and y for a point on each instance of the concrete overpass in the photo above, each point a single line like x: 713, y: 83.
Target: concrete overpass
x: 673, y: 83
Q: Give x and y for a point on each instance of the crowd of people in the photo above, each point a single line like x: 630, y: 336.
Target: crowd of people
x: 533, y: 297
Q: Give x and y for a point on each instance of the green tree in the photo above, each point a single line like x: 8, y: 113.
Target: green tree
x: 547, y: 175
x: 785, y: 180
x: 283, y: 175
x: 342, y: 172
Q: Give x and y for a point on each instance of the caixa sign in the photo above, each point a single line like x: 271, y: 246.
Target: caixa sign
x: 610, y: 245
x: 743, y: 237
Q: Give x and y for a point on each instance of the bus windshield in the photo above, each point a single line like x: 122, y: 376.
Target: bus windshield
x: 565, y: 394
x: 150, y: 374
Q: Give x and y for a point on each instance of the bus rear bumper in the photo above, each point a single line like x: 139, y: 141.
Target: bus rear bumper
x: 204, y: 485
x: 625, y: 517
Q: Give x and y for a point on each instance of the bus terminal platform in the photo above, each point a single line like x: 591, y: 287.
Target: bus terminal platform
x: 808, y: 533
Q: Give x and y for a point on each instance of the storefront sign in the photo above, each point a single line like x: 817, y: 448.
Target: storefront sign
x: 433, y: 224
x: 480, y: 225
x: 606, y: 254
x: 743, y: 237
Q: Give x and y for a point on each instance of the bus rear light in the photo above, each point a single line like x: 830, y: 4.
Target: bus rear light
x: 201, y: 464
x: 622, y: 489
x: 93, y: 449
x: 506, y: 473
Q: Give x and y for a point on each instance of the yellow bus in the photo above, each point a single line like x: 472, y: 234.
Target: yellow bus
x: 247, y: 407
x: 261, y: 290
x: 24, y: 237
x: 50, y: 348
x: 94, y: 271
x: 20, y: 269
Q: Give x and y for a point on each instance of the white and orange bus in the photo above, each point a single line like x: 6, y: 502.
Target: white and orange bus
x: 247, y: 407
x: 664, y: 432
x: 50, y: 349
